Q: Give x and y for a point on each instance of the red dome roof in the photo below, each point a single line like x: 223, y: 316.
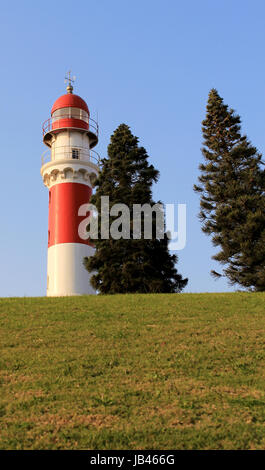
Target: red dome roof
x: 70, y: 101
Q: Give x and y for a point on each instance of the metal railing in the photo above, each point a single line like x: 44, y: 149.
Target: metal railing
x: 47, y: 125
x: 66, y: 153
x: 45, y: 157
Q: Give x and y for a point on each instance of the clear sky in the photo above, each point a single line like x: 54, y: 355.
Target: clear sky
x: 147, y: 63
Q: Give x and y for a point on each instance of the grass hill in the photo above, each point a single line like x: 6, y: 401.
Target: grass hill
x: 182, y: 371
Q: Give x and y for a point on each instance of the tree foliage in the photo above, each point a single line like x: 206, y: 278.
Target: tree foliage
x: 130, y: 265
x: 232, y: 197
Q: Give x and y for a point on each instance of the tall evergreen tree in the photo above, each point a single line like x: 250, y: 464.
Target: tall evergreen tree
x: 130, y: 265
x: 232, y: 189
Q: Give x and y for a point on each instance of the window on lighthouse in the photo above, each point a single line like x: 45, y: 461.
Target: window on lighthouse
x: 66, y: 113
x: 75, y: 154
x: 78, y: 113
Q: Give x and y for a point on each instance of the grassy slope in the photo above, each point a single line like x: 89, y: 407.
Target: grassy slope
x: 133, y: 372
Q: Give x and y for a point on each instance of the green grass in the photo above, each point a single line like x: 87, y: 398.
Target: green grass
x: 182, y: 371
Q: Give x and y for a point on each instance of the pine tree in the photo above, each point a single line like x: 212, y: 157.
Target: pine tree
x: 232, y: 184
x: 130, y: 265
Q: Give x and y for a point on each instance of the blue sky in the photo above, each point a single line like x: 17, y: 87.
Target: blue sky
x: 148, y: 63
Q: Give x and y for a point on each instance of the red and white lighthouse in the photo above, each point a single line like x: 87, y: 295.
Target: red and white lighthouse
x: 69, y: 173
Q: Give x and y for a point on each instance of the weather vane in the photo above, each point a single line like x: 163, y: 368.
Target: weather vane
x: 69, y: 80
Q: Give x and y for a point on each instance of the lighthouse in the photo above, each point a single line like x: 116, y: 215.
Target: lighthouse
x: 69, y: 168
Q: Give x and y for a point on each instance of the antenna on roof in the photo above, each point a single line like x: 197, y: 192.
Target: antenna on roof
x: 69, y: 80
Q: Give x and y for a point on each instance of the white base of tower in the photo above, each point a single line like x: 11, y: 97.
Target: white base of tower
x: 66, y: 273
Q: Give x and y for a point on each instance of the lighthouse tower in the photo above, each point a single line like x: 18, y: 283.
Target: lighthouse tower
x: 69, y: 170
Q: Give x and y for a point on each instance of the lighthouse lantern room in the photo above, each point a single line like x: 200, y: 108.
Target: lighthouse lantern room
x: 69, y: 168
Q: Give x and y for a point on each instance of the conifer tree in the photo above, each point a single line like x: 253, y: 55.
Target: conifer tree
x: 130, y: 265
x: 232, y: 185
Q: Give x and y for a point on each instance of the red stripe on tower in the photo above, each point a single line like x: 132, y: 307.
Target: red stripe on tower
x: 65, y: 200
